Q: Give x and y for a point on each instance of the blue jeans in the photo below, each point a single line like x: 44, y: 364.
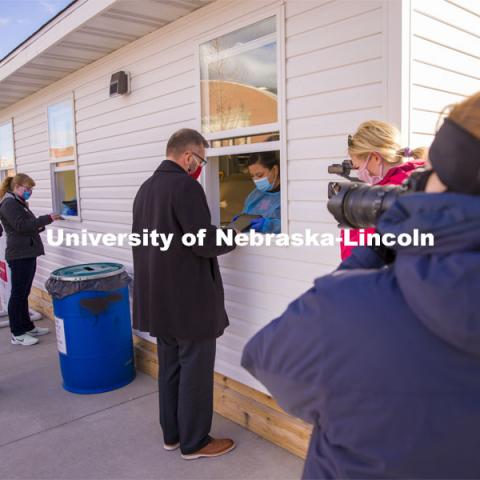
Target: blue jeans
x: 23, y: 271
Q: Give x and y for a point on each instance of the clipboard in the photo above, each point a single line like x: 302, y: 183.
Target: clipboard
x: 243, y: 222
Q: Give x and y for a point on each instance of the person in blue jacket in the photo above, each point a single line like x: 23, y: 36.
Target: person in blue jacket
x: 264, y: 200
x: 384, y: 359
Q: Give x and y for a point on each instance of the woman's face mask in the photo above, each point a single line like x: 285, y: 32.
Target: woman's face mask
x: 267, y: 181
x: 27, y: 193
x: 366, y: 176
x: 263, y: 184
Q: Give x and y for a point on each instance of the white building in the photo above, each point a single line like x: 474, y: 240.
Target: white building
x: 305, y: 73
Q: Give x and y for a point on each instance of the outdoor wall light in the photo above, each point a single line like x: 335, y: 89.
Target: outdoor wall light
x: 119, y: 83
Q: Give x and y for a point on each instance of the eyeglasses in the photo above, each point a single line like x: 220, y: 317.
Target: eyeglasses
x: 203, y: 162
x: 350, y: 141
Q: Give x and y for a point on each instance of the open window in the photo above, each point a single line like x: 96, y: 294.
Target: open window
x: 240, y: 112
x: 7, y: 150
x: 63, y: 161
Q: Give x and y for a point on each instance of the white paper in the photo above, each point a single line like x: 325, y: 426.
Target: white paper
x: 60, y: 332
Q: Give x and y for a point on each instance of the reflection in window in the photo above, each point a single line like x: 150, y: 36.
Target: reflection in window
x: 61, y: 133
x: 239, y: 78
x: 250, y: 183
x: 7, y: 154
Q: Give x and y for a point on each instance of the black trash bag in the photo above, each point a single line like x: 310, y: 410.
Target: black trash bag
x: 59, y: 289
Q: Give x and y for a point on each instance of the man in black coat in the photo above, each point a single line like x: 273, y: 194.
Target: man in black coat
x: 178, y: 295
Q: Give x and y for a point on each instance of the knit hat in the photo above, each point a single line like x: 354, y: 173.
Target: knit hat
x: 455, y: 157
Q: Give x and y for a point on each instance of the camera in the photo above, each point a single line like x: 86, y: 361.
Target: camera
x: 358, y: 205
x: 343, y: 169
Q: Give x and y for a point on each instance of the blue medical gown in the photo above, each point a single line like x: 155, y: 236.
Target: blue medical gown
x: 266, y: 204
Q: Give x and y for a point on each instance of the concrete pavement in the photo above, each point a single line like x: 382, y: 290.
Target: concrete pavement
x: 48, y: 433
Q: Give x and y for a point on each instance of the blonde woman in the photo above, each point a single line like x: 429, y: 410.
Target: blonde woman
x: 24, y: 245
x: 376, y: 152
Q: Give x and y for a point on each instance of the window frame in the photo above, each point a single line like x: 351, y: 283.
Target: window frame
x: 4, y: 171
x: 209, y: 177
x: 56, y: 169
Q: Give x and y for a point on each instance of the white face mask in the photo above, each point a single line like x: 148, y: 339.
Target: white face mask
x: 366, y: 176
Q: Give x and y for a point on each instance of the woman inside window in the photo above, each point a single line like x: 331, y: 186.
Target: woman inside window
x: 264, y: 200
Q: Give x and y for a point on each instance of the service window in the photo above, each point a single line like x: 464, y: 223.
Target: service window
x: 7, y: 150
x: 240, y: 118
x: 62, y: 151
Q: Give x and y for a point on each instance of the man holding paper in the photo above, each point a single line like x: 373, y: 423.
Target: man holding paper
x: 178, y: 295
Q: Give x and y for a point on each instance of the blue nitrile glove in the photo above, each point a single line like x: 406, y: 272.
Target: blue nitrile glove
x: 257, y: 224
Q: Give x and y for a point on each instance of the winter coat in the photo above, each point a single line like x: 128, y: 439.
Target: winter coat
x: 384, y: 361
x: 177, y: 292
x: 394, y: 176
x: 22, y: 228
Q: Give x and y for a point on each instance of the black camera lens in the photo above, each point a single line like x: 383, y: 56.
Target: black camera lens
x: 357, y: 205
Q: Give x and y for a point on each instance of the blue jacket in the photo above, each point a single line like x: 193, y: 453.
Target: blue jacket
x: 266, y: 204
x: 384, y: 361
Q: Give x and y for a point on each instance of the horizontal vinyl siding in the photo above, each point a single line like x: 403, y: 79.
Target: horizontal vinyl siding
x: 334, y: 81
x: 445, y: 60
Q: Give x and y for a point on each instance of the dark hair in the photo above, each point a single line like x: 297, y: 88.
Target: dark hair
x: 265, y: 159
x: 182, y: 139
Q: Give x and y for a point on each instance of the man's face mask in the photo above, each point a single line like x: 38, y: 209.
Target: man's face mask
x: 196, y: 173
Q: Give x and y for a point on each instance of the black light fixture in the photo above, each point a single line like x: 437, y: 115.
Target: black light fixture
x: 119, y: 83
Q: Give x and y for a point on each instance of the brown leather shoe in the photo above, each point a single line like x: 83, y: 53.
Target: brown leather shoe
x: 216, y: 447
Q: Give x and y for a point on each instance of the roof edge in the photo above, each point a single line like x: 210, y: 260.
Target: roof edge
x: 38, y: 30
x: 65, y: 22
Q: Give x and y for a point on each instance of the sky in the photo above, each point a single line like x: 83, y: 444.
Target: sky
x: 20, y: 18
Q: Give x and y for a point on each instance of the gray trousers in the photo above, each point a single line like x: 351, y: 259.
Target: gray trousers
x: 185, y: 388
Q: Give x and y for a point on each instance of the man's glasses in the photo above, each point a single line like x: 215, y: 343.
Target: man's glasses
x: 201, y: 159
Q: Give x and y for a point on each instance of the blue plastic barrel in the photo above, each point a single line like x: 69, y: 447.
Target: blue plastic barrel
x: 94, y: 334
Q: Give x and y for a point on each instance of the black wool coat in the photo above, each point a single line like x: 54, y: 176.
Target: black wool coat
x: 177, y: 292
x: 22, y: 228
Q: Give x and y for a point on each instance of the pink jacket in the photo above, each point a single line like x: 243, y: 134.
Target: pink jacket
x: 395, y: 176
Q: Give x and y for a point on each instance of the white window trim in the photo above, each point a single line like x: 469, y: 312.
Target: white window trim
x: 14, y: 167
x: 397, y: 45
x: 209, y: 177
x: 53, y: 162
x: 231, y: 52
x: 245, y: 148
x: 64, y: 169
x: 244, y: 132
x: 59, y: 160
